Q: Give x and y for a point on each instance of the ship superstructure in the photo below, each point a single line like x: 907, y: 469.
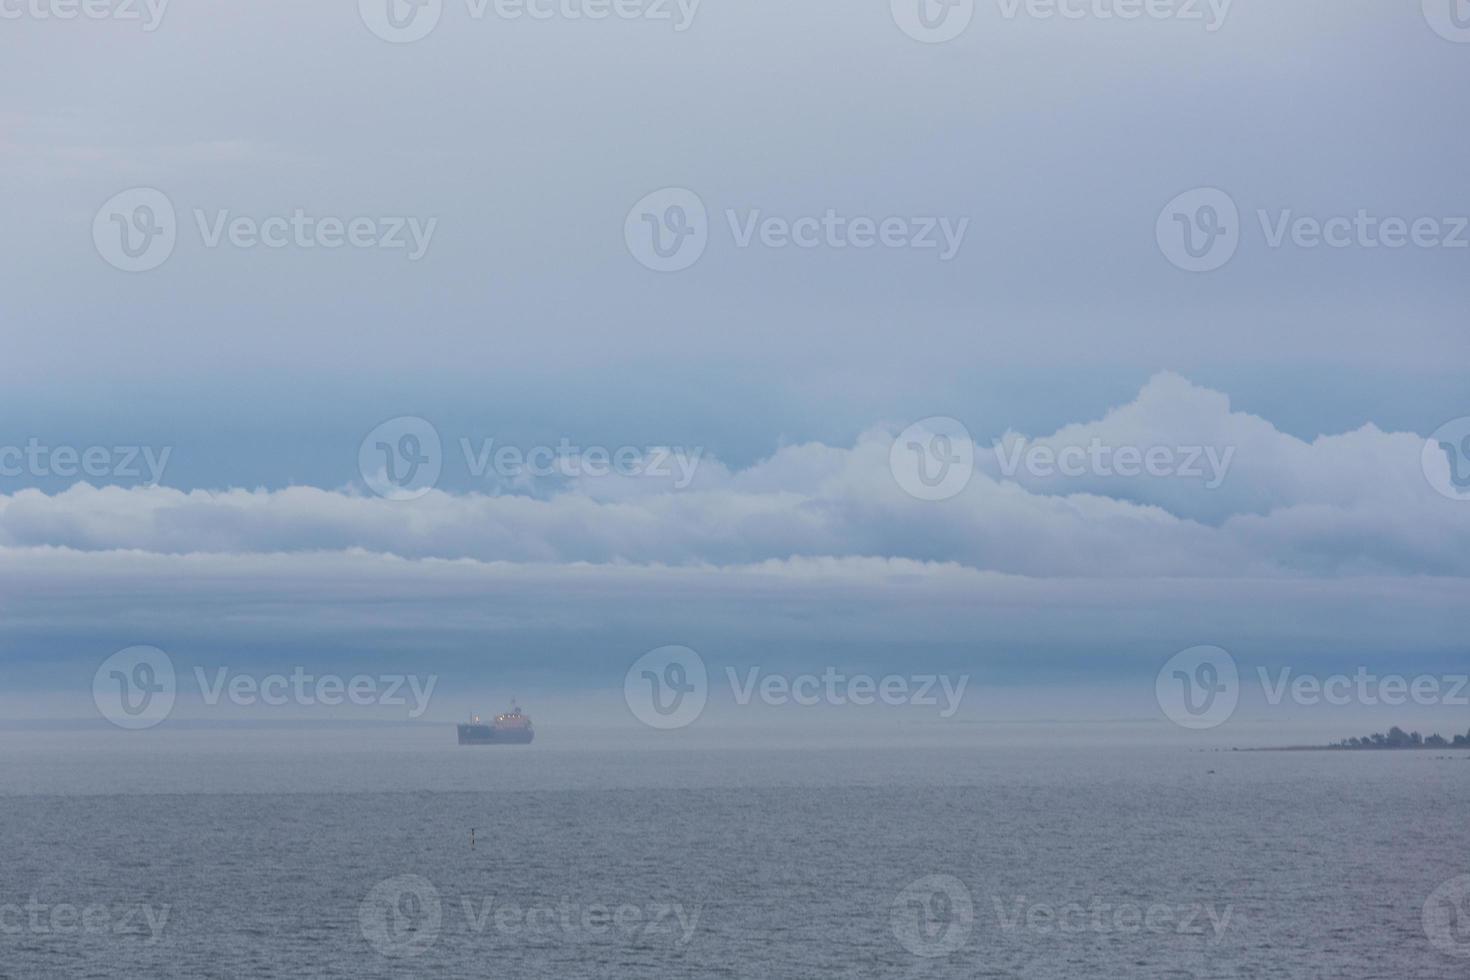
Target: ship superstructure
x: 511, y: 728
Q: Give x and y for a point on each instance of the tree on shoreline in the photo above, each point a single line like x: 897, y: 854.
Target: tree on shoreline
x: 1397, y: 738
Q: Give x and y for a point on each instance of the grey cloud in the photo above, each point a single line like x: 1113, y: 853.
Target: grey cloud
x: 1350, y: 504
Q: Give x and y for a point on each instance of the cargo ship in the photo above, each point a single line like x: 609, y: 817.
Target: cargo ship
x: 511, y: 728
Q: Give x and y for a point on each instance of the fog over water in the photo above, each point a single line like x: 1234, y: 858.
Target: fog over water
x: 917, y: 487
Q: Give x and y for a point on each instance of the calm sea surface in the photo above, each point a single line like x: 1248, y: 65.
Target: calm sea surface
x: 271, y: 854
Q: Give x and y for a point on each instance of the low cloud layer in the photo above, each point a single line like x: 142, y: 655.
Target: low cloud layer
x: 1333, y: 548
x: 1228, y: 495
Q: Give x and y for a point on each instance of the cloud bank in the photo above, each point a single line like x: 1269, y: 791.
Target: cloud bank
x: 1338, y: 545
x: 1355, y: 503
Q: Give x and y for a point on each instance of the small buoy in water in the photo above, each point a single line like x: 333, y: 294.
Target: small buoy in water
x: 472, y: 838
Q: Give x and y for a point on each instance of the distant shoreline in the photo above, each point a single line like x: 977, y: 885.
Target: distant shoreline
x: 1357, y: 748
x: 1397, y: 740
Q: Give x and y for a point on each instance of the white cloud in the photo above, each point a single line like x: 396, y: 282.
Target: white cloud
x: 1330, y: 549
x: 1355, y: 503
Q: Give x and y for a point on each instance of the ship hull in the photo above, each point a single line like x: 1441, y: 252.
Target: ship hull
x: 486, y: 735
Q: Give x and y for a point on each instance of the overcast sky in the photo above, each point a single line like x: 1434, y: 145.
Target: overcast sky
x: 524, y: 314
